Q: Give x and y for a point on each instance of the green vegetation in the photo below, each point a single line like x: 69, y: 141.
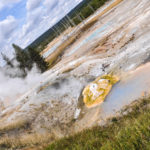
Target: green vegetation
x: 36, y: 58
x: 86, y: 10
x: 129, y: 132
x: 23, y: 59
x: 7, y: 60
x: 26, y: 59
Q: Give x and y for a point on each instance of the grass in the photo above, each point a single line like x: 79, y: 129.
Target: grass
x: 127, y: 132
x: 29, y: 141
x: 52, y: 58
x: 21, y: 124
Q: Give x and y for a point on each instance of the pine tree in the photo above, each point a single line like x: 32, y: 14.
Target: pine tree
x: 26, y: 59
x: 37, y: 59
x: 22, y: 58
x: 7, y: 60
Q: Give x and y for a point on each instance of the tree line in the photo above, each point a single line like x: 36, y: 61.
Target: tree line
x: 89, y: 8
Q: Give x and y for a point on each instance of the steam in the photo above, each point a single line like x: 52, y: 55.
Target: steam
x: 13, y: 88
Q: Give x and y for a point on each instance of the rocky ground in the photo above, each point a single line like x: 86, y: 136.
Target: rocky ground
x: 118, y: 43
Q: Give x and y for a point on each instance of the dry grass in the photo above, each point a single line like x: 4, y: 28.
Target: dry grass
x: 26, y: 142
x: 106, y: 10
x: 20, y: 124
x: 52, y: 43
x: 59, y: 51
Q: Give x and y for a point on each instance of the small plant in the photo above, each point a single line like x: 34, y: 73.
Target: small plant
x: 114, y: 119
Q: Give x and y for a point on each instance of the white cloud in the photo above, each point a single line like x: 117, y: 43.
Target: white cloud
x: 7, y: 3
x: 50, y: 4
x: 7, y: 27
x: 32, y: 4
x: 78, y: 1
x: 33, y: 20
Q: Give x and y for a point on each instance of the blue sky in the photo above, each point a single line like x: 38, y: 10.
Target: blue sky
x: 22, y: 21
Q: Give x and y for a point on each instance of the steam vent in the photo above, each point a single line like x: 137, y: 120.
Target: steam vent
x: 96, y: 92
